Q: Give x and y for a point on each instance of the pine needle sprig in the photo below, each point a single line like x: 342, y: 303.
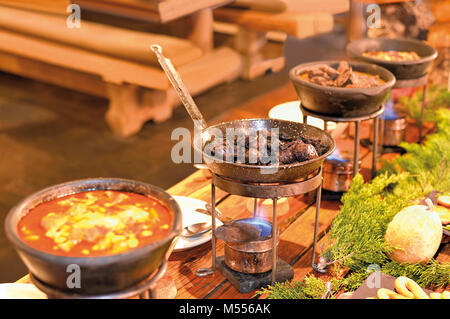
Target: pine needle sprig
x: 437, y: 97
x: 432, y: 274
x: 310, y: 288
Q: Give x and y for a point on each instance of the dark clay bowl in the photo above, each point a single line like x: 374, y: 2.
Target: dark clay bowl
x: 402, y: 70
x: 342, y: 102
x: 99, y: 275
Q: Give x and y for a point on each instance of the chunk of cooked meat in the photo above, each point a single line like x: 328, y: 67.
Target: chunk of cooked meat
x: 321, y: 81
x: 297, y: 151
x: 344, y: 74
x: 321, y: 73
x: 258, y: 149
x: 343, y: 67
x: 362, y: 80
x: 305, y: 152
x: 320, y: 146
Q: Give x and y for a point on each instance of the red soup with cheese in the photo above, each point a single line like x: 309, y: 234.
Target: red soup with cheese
x: 95, y: 223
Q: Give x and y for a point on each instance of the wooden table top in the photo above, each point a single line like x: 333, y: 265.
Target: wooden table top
x: 296, y: 227
x: 160, y: 11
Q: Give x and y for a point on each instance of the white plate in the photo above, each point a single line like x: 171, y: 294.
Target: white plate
x: 190, y: 216
x: 20, y: 291
x: 290, y: 111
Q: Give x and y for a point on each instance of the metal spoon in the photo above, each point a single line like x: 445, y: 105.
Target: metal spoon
x: 196, y: 229
x: 219, y: 216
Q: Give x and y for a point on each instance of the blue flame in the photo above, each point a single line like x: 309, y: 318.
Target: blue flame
x: 389, y: 111
x: 263, y: 225
x: 337, y: 157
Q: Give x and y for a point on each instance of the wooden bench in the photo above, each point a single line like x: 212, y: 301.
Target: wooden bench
x: 109, y: 62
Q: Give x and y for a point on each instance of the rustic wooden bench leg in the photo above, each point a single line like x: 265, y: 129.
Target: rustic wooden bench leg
x: 201, y: 29
x: 250, y: 44
x: 158, y: 105
x: 123, y: 106
x: 131, y: 106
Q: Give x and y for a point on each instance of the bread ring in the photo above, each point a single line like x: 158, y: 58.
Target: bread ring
x: 445, y: 295
x: 444, y: 200
x: 384, y: 293
x: 409, y: 288
x: 443, y: 213
x: 435, y: 295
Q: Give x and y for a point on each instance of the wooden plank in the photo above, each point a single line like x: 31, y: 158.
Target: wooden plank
x: 382, y: 1
x: 139, y: 4
x: 114, y: 7
x: 310, y: 6
x: 299, y: 25
x: 197, y: 180
x: 120, y: 71
x: 298, y: 6
x: 99, y: 38
x: 153, y: 10
x: 49, y: 6
x: 197, y: 75
x: 110, y: 69
x: 173, y: 9
x: 67, y: 78
x: 130, y: 106
x: 261, y: 5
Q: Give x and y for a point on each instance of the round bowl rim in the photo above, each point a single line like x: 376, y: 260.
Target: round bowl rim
x: 293, y: 75
x: 354, y: 53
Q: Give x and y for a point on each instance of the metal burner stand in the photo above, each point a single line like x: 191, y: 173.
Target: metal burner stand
x: 414, y: 83
x: 143, y: 289
x: 268, y: 190
x: 357, y: 121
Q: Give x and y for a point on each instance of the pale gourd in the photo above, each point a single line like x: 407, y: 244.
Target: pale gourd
x: 416, y: 233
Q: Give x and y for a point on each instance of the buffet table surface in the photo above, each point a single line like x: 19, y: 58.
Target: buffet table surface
x: 296, y: 227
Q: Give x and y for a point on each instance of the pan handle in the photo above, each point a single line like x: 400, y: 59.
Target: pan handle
x: 179, y: 86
